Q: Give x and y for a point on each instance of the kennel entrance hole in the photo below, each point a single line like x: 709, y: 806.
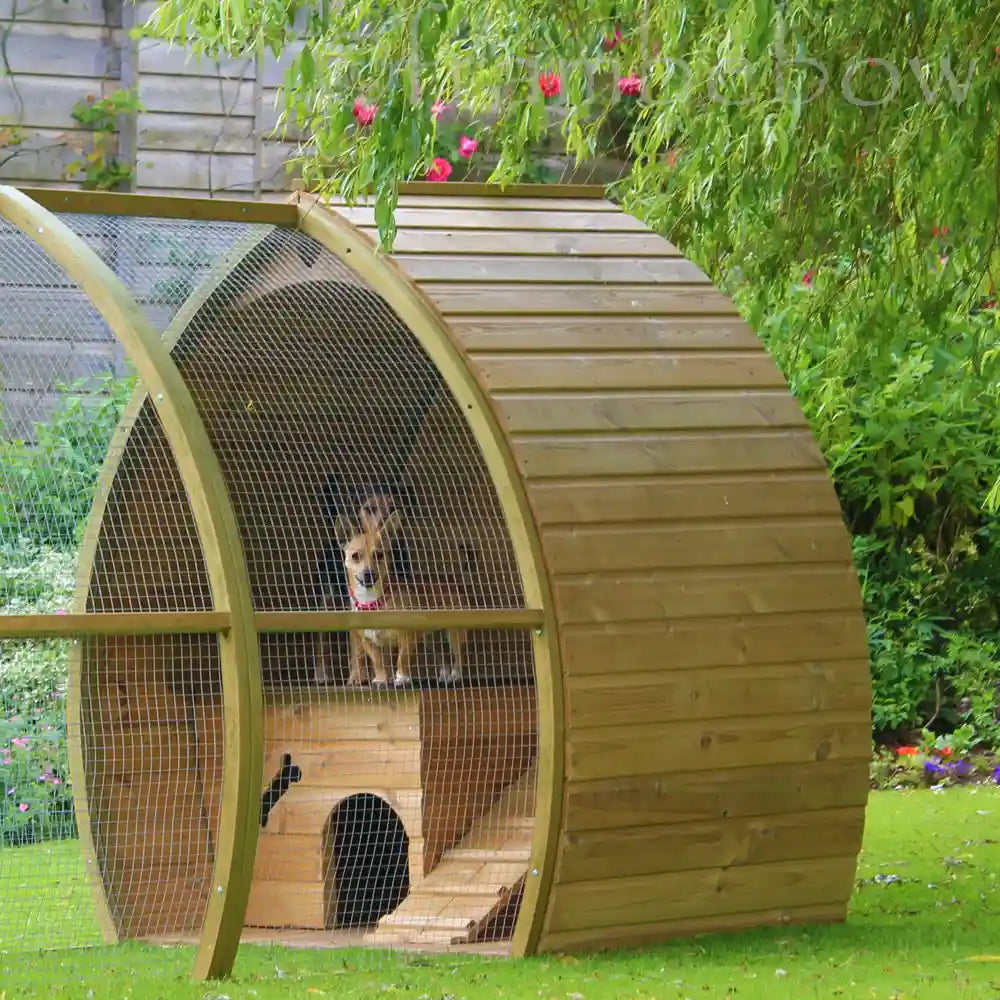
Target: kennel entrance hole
x: 371, y: 861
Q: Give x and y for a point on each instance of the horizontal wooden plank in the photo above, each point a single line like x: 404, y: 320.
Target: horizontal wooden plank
x: 526, y: 221
x: 162, y: 58
x: 59, y: 50
x: 647, y: 410
x: 652, y: 850
x: 38, y: 365
x: 608, y: 751
x: 45, y: 156
x: 637, y: 935
x: 681, y: 796
x: 289, y: 857
x: 672, y: 644
x: 175, y: 208
x: 196, y: 95
x: 620, y: 549
x: 603, y: 501
x: 644, y: 694
x: 286, y: 904
x: 45, y: 101
x: 707, y: 593
x: 176, y: 171
x: 453, y: 240
x: 639, y: 371
x: 334, y: 765
x: 555, y: 457
x: 331, y: 621
x: 307, y: 811
x: 59, y: 12
x: 578, y: 299
x: 538, y: 269
x: 701, y: 893
x: 114, y: 623
x: 195, y: 133
x: 504, y: 202
x: 525, y: 332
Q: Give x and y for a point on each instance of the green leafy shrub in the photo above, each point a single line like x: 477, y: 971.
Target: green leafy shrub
x: 37, y: 802
x: 904, y: 406
x: 49, y: 482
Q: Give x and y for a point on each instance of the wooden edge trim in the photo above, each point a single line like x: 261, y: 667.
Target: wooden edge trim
x: 358, y: 251
x: 217, y: 529
x: 158, y: 206
x: 431, y: 621
x: 482, y: 190
x: 80, y: 624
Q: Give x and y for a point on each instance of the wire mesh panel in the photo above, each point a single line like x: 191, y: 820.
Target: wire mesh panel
x: 63, y: 384
x: 109, y: 818
x: 399, y: 783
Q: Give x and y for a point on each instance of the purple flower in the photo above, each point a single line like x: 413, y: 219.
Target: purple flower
x: 961, y: 768
x: 932, y: 767
x: 996, y: 775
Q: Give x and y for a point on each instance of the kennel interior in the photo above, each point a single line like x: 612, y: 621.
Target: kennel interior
x: 663, y: 725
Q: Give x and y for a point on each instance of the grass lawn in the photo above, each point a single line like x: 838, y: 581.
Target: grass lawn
x: 924, y: 923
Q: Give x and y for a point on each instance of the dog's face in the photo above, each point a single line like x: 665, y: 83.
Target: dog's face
x: 375, y: 511
x: 366, y: 553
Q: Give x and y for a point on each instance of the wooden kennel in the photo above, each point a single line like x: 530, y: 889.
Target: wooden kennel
x: 666, y: 724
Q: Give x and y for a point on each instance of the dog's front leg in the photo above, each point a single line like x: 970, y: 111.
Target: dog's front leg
x: 456, y: 644
x: 375, y: 654
x: 359, y: 661
x: 407, y: 644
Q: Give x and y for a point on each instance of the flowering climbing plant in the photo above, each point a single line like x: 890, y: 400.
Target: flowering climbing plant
x: 840, y: 177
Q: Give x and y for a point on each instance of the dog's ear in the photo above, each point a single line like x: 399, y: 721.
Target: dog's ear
x: 343, y: 529
x: 391, y: 525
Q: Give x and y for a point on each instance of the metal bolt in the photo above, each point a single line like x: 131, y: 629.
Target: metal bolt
x: 219, y: 890
x: 159, y: 397
x: 534, y: 872
x: 539, y: 632
x: 41, y: 230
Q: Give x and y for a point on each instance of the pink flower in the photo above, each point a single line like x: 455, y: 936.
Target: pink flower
x: 611, y: 43
x: 467, y: 146
x: 6, y: 760
x: 23, y: 807
x: 438, y: 108
x: 364, y: 114
x: 19, y: 741
x: 61, y: 611
x: 629, y: 86
x: 550, y: 84
x: 56, y: 781
x: 440, y: 169
x: 807, y: 278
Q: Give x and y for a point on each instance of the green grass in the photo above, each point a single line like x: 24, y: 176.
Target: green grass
x: 923, y: 936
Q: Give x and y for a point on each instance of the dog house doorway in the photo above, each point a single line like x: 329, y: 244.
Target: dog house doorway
x: 370, y: 867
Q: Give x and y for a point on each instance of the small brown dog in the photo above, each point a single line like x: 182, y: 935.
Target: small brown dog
x: 368, y: 565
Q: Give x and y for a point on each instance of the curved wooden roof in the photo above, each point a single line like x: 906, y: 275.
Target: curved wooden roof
x: 715, y: 662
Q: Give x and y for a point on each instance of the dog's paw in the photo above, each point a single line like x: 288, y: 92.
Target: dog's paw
x: 403, y: 682
x: 379, y: 684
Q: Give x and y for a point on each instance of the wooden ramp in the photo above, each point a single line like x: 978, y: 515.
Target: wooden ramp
x: 474, y: 881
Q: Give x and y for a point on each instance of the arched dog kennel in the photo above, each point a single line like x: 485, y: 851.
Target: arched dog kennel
x: 534, y: 473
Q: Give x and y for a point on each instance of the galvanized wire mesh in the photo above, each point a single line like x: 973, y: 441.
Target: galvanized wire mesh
x: 401, y: 817
x: 124, y: 846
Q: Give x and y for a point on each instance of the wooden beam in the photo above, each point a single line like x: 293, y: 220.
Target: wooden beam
x: 430, y: 621
x: 110, y: 623
x: 157, y: 206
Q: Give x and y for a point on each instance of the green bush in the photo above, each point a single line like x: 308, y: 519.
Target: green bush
x: 48, y: 484
x: 905, y: 408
